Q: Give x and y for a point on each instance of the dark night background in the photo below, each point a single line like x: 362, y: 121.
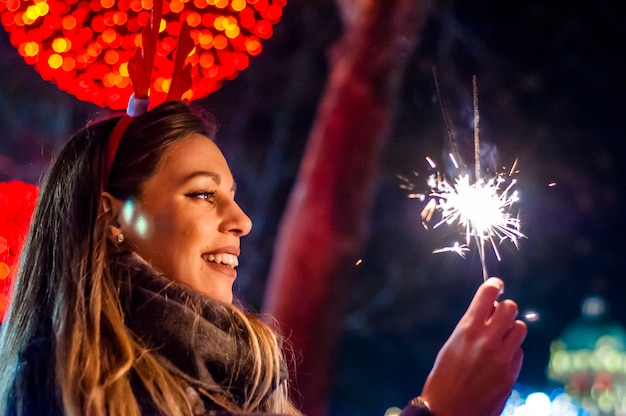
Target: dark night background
x: 551, y: 93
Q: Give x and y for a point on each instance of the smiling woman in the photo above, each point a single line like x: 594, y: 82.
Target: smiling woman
x: 190, y: 223
x: 126, y: 283
x: 123, y: 302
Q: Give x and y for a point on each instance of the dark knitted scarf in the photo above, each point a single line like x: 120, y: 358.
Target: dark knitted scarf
x: 198, y: 339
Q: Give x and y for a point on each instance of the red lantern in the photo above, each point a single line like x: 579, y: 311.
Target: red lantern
x: 17, y: 202
x: 84, y: 45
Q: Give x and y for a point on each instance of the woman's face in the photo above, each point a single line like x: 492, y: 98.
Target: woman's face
x: 186, y: 222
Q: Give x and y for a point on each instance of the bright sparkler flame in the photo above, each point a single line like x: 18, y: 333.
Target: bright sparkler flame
x: 482, y: 209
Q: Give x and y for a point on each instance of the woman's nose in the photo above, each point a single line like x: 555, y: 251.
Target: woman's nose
x: 236, y: 220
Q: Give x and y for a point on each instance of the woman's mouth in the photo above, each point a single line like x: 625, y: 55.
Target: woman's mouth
x: 227, y: 259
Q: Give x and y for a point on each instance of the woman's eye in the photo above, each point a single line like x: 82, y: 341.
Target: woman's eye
x: 203, y: 195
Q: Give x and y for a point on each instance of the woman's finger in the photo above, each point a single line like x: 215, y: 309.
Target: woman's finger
x: 502, y: 317
x: 482, y: 305
x: 515, y: 335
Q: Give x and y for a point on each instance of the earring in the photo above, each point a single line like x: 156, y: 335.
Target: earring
x: 120, y: 238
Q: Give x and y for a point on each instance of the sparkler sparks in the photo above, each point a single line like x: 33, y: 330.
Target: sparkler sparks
x: 482, y: 209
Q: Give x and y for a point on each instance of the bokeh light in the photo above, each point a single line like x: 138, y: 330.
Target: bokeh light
x: 557, y: 403
x: 17, y: 202
x: 131, y: 215
x: 84, y: 46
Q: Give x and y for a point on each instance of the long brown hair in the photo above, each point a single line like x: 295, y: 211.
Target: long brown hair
x: 65, y: 293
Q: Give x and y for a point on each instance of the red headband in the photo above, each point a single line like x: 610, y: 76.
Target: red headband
x: 114, y: 141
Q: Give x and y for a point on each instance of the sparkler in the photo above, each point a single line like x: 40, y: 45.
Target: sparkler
x: 481, y: 209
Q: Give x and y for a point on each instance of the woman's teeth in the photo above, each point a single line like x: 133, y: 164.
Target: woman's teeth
x: 222, y: 258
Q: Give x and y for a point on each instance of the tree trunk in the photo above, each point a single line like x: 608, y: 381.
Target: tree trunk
x: 324, y: 225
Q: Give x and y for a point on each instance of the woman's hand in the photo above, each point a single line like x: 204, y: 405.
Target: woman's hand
x: 478, y: 365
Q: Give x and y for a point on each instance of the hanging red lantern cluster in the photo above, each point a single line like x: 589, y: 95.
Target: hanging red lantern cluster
x: 17, y: 202
x: 84, y: 45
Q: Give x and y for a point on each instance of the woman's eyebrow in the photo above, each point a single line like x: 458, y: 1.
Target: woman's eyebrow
x: 202, y: 173
x: 214, y: 176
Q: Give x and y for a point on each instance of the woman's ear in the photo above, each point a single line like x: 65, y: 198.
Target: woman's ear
x: 112, y: 208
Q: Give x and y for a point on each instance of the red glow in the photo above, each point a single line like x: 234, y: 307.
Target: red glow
x: 17, y: 202
x: 13, y: 5
x: 263, y: 29
x: 69, y: 22
x: 98, y: 24
x: 84, y: 46
x: 272, y: 13
x: 220, y: 42
x: 253, y: 46
x: 247, y: 18
x: 111, y: 57
x: 194, y: 19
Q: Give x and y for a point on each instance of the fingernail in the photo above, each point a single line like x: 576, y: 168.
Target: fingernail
x: 497, y: 282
